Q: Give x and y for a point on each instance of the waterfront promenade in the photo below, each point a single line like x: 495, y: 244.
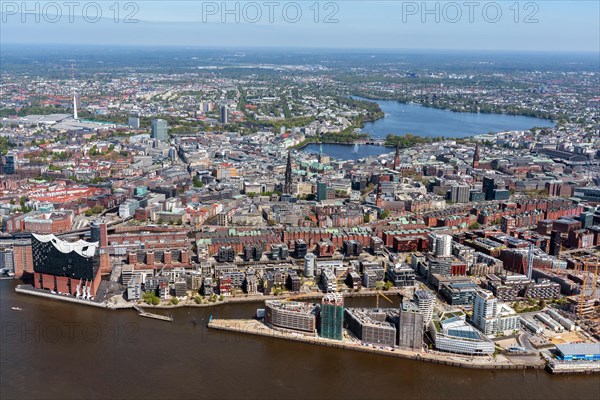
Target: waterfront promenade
x: 255, y: 327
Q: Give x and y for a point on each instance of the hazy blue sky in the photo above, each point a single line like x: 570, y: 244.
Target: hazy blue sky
x: 544, y: 25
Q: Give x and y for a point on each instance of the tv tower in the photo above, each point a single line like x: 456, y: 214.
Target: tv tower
x: 74, y: 92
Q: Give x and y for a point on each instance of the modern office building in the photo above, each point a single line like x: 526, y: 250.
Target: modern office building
x: 226, y: 254
x: 459, y: 293
x: 460, y: 193
x: 292, y: 315
x: 401, y: 275
x: 300, y: 248
x: 224, y: 117
x: 454, y: 335
x: 134, y: 122
x: 485, y: 312
x: 410, y: 326
x: 352, y: 247
x: 370, y: 326
x: 321, y: 191
x: 440, y: 244
x: 160, y: 130
x: 425, y: 301
x: 10, y: 166
x: 332, y: 316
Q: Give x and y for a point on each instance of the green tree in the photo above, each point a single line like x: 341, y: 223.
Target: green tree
x: 197, y: 182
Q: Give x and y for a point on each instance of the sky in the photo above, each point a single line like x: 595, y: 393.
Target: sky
x: 503, y: 25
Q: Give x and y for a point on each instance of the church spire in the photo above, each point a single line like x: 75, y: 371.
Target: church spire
x: 476, y: 156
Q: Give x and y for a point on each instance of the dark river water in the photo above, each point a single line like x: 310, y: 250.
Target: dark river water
x: 62, y: 351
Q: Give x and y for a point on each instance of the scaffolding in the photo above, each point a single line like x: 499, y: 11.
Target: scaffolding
x: 332, y: 316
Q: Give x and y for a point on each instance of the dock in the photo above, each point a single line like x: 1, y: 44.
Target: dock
x: 143, y: 313
x: 254, y: 327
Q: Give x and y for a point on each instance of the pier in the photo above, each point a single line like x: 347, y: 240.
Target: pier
x: 143, y: 313
x: 254, y: 327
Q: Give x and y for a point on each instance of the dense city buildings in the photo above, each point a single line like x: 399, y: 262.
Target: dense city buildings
x: 247, y: 181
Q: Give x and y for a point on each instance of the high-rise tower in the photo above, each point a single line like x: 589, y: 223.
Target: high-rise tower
x: 288, y: 174
x: 74, y: 92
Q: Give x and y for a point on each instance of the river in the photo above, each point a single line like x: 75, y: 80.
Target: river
x: 58, y: 350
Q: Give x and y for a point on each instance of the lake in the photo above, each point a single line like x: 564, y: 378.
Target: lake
x: 418, y: 120
x: 349, y: 151
x: 401, y: 118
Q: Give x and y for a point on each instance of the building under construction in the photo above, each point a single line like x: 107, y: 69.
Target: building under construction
x: 370, y: 326
x: 332, y: 316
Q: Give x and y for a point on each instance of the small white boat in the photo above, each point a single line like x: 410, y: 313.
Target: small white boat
x: 16, y: 308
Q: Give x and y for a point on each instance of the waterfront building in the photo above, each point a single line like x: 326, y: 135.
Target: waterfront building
x: 134, y: 288
x: 425, y: 301
x: 332, y: 316
x: 22, y: 257
x: 454, y: 335
x: 180, y: 287
x: 207, y: 286
x: 292, y: 315
x: 485, y: 309
x: 410, y: 326
x: 370, y: 326
x: 65, y: 267
x: 579, y: 351
x: 507, y: 319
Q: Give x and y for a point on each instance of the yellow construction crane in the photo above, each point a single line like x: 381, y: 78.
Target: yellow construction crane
x: 586, y: 264
x: 297, y: 296
x: 337, y: 278
x: 384, y: 296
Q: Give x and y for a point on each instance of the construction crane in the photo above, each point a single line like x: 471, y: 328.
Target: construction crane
x: 378, y: 293
x: 293, y: 297
x: 587, y: 264
x: 338, y: 276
